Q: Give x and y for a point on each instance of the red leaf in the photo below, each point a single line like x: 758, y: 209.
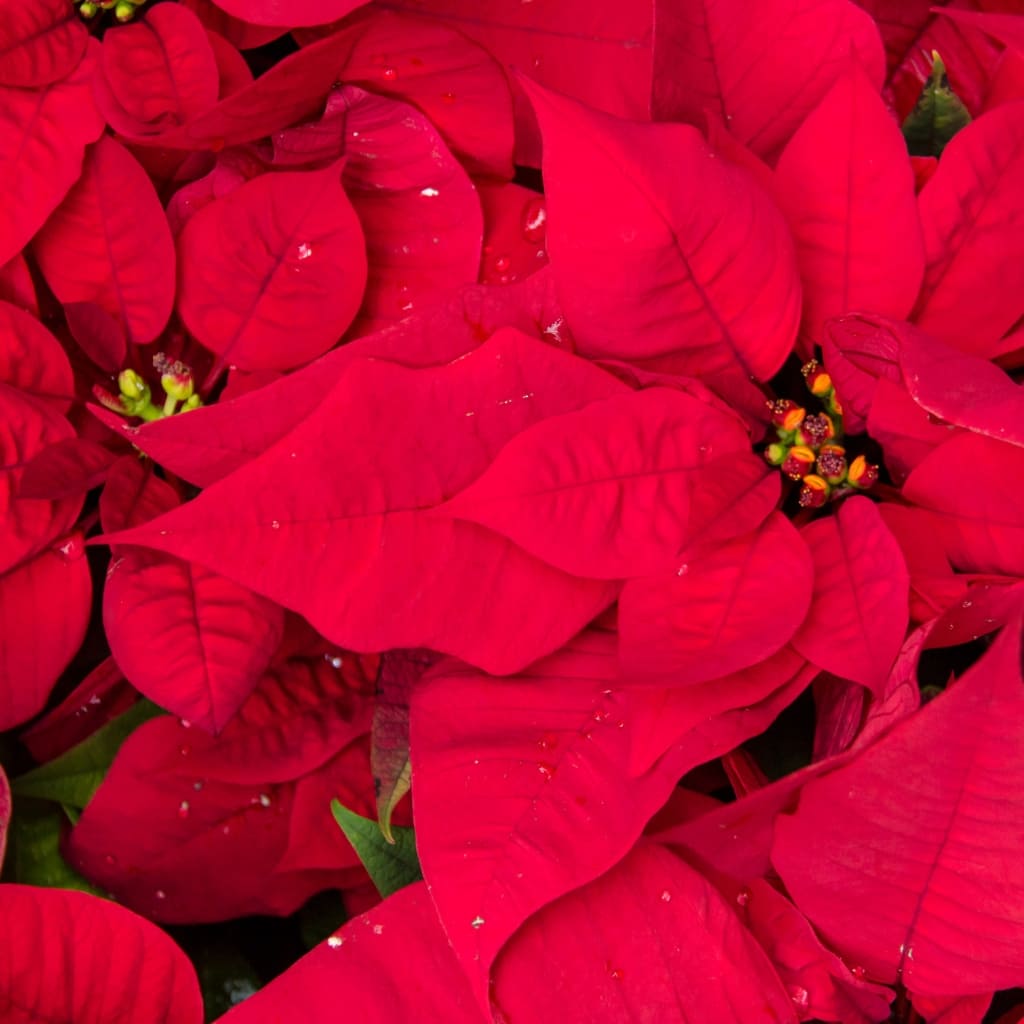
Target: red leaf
x: 760, y: 69
x: 28, y: 525
x: 109, y: 243
x: 852, y: 207
x: 133, y: 495
x: 149, y: 978
x: 698, y: 289
x: 189, y: 639
x: 515, y: 232
x: 974, y: 252
x: 295, y: 13
x: 370, y: 960
x: 419, y: 211
x: 66, y: 469
x: 904, y: 430
x: 859, y: 610
x: 43, y: 136
x: 972, y: 484
x: 40, y: 43
x: 610, y: 491
x: 273, y: 273
x: 98, y: 335
x: 913, y: 873
x: 961, y: 389
x: 32, y: 360
x: 735, y: 606
x: 1007, y: 28
x: 233, y: 72
x: 239, y: 32
x: 952, y: 1009
x: 599, y: 53
x: 652, y: 937
x: 544, y: 800
x: 16, y: 285
x: 156, y: 73
x: 344, y: 528
x: 211, y: 816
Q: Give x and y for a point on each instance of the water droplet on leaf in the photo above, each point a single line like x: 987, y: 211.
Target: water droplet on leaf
x: 534, y: 219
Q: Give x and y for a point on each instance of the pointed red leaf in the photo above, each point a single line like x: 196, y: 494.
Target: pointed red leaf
x: 211, y: 815
x: 189, y: 639
x: 98, y: 334
x: 650, y: 939
x: 40, y: 43
x: 370, y: 960
x: 859, y: 609
x: 156, y: 73
x: 17, y: 286
x: 904, y: 430
x: 239, y: 32
x: 733, y: 607
x: 43, y: 135
x: 113, y: 964
x: 974, y: 274
x: 952, y: 1009
x: 851, y: 206
x: 698, y: 289
x: 419, y: 211
x: 109, y: 243
x: 343, y: 522
x: 913, y: 874
x: 1007, y: 28
x: 544, y: 800
x: 295, y: 12
x: 28, y: 524
x: 515, y: 232
x: 609, y: 492
x: 65, y: 469
x: 134, y: 495
x: 273, y: 273
x: 32, y: 360
x: 972, y: 483
x: 762, y: 68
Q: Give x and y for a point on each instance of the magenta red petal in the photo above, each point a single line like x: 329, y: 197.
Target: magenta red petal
x: 852, y: 207
x: 733, y: 607
x: 273, y: 273
x: 859, y: 608
x: 545, y: 802
x: 702, y: 289
x: 295, y: 13
x: 32, y: 360
x: 912, y: 873
x: 761, y: 69
x: 40, y: 43
x: 652, y: 936
x: 45, y: 132
x: 73, y: 936
x: 974, y: 270
x: 108, y: 243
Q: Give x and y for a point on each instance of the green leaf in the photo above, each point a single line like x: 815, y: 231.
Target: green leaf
x: 938, y: 115
x: 34, y: 857
x: 392, y: 866
x: 74, y: 777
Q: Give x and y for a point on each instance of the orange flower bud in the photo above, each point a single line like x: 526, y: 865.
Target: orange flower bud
x: 815, y: 492
x: 818, y: 381
x: 815, y: 431
x: 786, y: 414
x: 798, y: 463
x: 862, y: 474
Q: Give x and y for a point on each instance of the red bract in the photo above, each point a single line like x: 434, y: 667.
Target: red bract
x: 147, y: 978
x: 40, y: 43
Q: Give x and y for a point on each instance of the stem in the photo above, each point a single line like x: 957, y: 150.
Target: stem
x: 170, y: 404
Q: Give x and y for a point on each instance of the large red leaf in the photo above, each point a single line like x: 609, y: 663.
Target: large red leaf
x: 859, y: 609
x: 291, y: 12
x: 647, y: 274
x: 189, y: 639
x: 44, y: 609
x: 1007, y: 28
x: 43, y: 135
x: 40, y: 43
x: 273, y: 273
x: 17, y: 286
x: 515, y: 232
x: 239, y: 32
x: 108, y: 243
x: 759, y: 68
x: 734, y: 606
x: 32, y: 360
x: 851, y: 206
x: 907, y: 862
x: 650, y: 940
x: 597, y: 52
x: 28, y: 524
x: 157, y: 73
x: 111, y: 964
x: 545, y: 802
x: 971, y: 212
x: 212, y: 815
x: 419, y: 211
x: 391, y: 963
x: 610, y: 491
x: 341, y: 517
x: 973, y: 484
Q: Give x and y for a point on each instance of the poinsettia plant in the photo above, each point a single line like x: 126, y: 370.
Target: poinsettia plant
x: 512, y: 512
